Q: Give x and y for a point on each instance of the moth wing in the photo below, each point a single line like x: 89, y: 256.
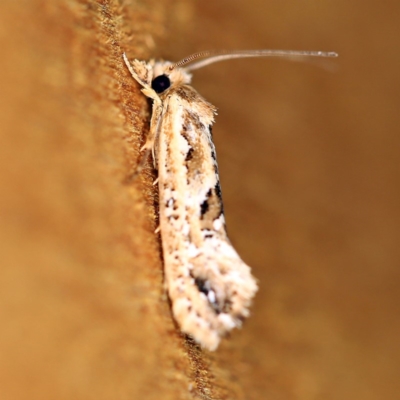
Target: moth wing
x: 209, y: 285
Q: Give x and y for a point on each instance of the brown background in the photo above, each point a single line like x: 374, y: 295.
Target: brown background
x: 310, y: 178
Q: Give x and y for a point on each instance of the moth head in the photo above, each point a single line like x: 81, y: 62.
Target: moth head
x: 164, y: 76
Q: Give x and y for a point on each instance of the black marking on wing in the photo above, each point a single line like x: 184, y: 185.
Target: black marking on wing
x: 185, y: 134
x: 218, y: 190
x: 189, y: 154
x: 219, y: 194
x: 213, y: 155
x: 212, y: 206
x: 204, y: 206
x: 204, y: 286
x: 219, y: 305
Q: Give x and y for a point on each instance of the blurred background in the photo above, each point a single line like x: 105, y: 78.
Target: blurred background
x: 308, y: 155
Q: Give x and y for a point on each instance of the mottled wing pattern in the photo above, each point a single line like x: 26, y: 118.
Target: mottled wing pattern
x: 209, y: 285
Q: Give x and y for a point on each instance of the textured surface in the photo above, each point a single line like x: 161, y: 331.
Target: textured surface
x: 309, y: 172
x: 83, y: 311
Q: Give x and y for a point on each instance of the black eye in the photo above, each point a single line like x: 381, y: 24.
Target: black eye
x: 160, y: 83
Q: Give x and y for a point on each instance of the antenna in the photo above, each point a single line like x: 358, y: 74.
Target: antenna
x: 215, y: 56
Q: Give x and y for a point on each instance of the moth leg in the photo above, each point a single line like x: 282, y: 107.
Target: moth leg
x: 148, y: 147
x: 152, y: 136
x: 155, y: 119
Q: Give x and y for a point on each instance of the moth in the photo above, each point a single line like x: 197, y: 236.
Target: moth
x: 209, y: 286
